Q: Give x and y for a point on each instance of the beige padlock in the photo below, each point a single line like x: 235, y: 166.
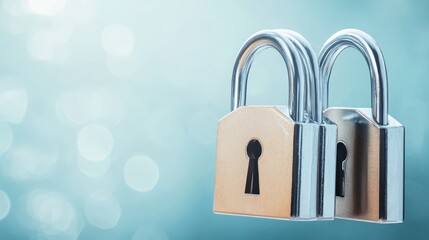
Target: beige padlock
x: 266, y: 163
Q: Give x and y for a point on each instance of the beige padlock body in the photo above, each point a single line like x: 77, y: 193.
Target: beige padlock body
x: 373, y: 189
x: 275, y: 131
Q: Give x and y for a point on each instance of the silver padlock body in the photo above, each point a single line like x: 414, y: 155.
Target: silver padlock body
x: 373, y: 169
x: 326, y: 170
x: 287, y: 165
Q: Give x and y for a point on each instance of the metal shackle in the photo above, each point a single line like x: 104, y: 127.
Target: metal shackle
x: 313, y: 93
x: 251, y: 48
x: 367, y: 46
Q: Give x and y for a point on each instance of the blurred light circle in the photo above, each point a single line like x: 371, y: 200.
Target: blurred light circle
x: 51, y: 46
x: 24, y: 162
x: 13, y: 7
x: 4, y: 205
x: 84, y: 10
x: 117, y: 40
x: 6, y: 138
x: 13, y: 101
x: 94, y: 142
x: 103, y: 105
x: 202, y: 127
x: 40, y: 47
x: 141, y: 173
x: 93, y: 168
x: 53, y: 213
x: 102, y: 210
x: 152, y: 233
x: 45, y: 7
x: 56, y: 215
x: 77, y: 107
x: 106, y: 106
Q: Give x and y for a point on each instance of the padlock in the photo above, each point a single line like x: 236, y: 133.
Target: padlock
x: 266, y: 157
x: 327, y: 154
x: 370, y: 149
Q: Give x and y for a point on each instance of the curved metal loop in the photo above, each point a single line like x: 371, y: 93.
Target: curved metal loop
x: 313, y: 99
x: 251, y: 48
x: 367, y: 46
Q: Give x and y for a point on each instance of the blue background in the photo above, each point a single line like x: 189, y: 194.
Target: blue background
x: 157, y: 91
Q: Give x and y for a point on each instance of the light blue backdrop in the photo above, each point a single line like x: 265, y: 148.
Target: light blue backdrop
x: 108, y: 112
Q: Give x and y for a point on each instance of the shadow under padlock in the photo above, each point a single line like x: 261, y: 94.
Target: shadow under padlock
x: 370, y: 166
x: 277, y: 144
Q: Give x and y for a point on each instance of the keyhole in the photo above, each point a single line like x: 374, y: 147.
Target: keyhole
x: 254, y: 151
x: 341, y: 158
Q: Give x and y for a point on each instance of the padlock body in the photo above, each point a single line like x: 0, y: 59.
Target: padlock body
x: 326, y: 170
x: 373, y: 168
x: 287, y: 165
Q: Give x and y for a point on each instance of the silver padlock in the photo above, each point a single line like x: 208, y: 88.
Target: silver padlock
x: 370, y: 150
x: 277, y: 146
x: 327, y: 133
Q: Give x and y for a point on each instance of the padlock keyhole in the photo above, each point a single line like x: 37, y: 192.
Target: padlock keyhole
x: 254, y: 151
x: 341, y: 162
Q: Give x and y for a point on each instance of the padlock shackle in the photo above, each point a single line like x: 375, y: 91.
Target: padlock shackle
x: 313, y: 92
x: 251, y: 48
x: 367, y: 46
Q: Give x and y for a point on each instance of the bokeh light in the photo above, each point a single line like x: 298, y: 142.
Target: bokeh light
x: 74, y: 107
x: 102, y: 105
x: 45, y: 7
x: 102, y: 210
x: 4, y: 205
x: 93, y: 168
x: 117, y: 40
x: 49, y: 45
x: 95, y: 142
x: 141, y: 173
x: 26, y: 162
x: 52, y: 214
x: 13, y: 7
x: 83, y: 11
x: 106, y: 106
x: 6, y: 139
x: 13, y: 100
x: 41, y: 46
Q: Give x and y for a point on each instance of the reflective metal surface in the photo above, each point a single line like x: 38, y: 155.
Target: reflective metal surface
x: 326, y: 169
x: 327, y: 133
x: 366, y: 45
x: 313, y: 95
x: 372, y: 171
x: 251, y: 48
x: 304, y: 178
